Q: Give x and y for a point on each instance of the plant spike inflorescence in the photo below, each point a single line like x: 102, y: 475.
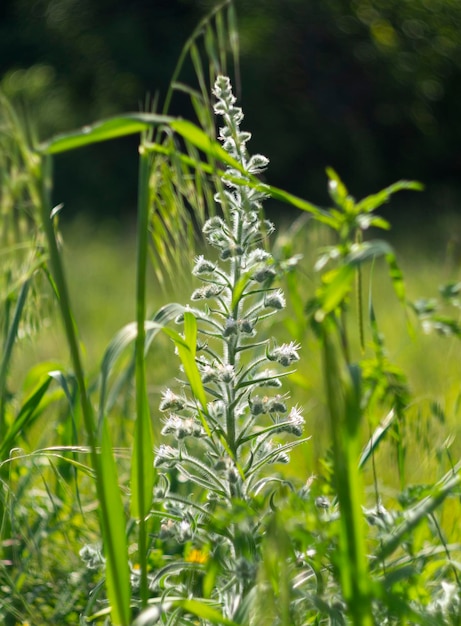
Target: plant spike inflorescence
x: 240, y: 374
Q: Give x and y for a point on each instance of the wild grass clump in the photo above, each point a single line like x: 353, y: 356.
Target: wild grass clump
x: 115, y: 510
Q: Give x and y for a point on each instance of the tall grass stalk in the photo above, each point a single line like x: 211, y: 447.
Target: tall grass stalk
x: 107, y: 489
x: 142, y: 482
x: 343, y: 395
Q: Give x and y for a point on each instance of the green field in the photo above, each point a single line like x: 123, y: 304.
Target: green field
x: 208, y: 418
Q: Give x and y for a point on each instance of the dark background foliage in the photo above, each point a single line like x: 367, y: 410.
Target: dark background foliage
x: 370, y: 87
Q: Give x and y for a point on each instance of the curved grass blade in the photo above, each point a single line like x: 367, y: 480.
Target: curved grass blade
x: 8, y: 348
x: 197, y: 137
x: 187, y: 348
x: 417, y: 513
x: 103, y: 464
x: 376, y: 437
x: 201, y: 140
x: 204, y: 611
x: 370, y: 203
x: 122, y: 340
x: 29, y: 411
x: 343, y: 396
x: 191, y: 42
x: 112, y: 128
x: 115, y: 541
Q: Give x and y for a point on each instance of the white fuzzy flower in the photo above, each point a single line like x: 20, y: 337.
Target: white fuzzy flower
x: 286, y: 354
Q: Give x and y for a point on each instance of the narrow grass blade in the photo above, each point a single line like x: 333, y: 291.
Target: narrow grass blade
x: 376, y: 438
x: 122, y: 340
x: 197, y: 137
x: 234, y: 43
x: 142, y: 473
x: 239, y: 288
x: 103, y: 465
x: 370, y: 203
x: 114, y: 537
x: 343, y: 396
x: 222, y: 45
x: 204, y: 611
x: 29, y: 411
x: 197, y: 63
x: 416, y: 514
x: 113, y: 352
x: 129, y: 124
x: 212, y: 48
x: 7, y: 352
x: 320, y: 214
x: 186, y: 348
x: 190, y: 43
x: 201, y: 140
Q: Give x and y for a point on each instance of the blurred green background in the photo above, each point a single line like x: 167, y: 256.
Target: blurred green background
x: 369, y: 87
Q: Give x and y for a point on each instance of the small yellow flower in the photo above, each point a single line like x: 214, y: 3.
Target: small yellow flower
x: 194, y: 555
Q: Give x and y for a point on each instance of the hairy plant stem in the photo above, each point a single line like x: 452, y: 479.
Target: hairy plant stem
x: 233, y: 343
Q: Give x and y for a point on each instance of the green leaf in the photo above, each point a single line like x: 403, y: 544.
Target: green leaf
x: 279, y: 194
x: 142, y: 478
x: 104, y: 130
x: 201, y: 140
x: 239, y: 289
x: 370, y: 203
x: 186, y: 349
x: 396, y: 276
x: 124, y: 338
x: 197, y: 137
x: 368, y: 250
x: 10, y: 339
x: 204, y: 611
x: 367, y: 220
x: 337, y: 285
x: 343, y: 396
x: 338, y: 191
x: 372, y: 249
x: 376, y: 437
x: 415, y: 515
x: 190, y: 332
x: 115, y: 348
x: 61, y: 379
x: 114, y: 537
x: 29, y: 411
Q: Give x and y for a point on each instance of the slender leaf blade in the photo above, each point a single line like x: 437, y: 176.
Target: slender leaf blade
x: 204, y: 611
x: 27, y: 414
x: 142, y: 476
x: 114, y: 536
x: 104, y: 130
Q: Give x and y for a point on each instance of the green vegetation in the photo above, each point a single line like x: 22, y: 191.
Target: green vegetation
x: 140, y: 486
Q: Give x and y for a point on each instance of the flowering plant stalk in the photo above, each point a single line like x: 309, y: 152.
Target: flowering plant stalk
x: 219, y: 454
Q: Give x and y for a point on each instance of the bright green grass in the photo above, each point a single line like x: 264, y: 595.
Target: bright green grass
x: 100, y: 261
